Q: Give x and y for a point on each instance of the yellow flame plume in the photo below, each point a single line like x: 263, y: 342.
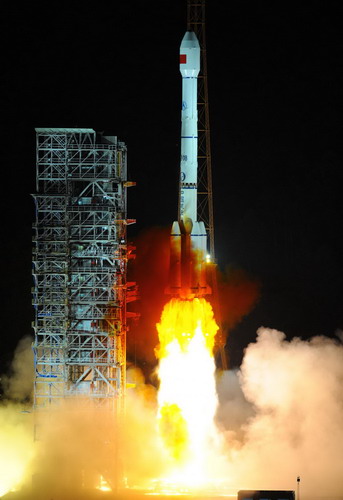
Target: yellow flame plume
x: 187, y: 394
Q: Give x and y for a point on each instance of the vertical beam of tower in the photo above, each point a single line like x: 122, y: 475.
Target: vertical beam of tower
x: 196, y: 17
x: 196, y: 23
x: 79, y: 269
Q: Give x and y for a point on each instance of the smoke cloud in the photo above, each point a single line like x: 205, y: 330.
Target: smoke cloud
x: 290, y: 423
x: 16, y: 446
x: 76, y: 448
x: 280, y: 416
x: 18, y: 384
x: 143, y: 450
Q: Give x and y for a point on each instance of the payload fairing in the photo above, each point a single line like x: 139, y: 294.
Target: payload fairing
x: 188, y: 235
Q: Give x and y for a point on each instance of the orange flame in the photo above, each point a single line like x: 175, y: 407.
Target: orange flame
x: 187, y: 394
x: 179, y: 322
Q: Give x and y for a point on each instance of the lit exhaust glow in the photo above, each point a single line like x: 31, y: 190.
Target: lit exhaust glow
x: 187, y: 395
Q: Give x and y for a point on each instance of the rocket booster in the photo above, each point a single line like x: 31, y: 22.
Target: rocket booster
x: 188, y: 236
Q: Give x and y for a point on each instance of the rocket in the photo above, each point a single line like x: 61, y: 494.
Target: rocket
x: 188, y: 239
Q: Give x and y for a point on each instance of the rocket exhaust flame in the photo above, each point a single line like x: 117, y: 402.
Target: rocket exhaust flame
x: 187, y: 394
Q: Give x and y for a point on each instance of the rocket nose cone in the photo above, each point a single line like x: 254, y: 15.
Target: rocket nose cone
x: 190, y: 40
x: 189, y: 35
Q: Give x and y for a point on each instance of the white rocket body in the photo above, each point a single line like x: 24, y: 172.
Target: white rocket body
x: 188, y: 236
x: 189, y: 69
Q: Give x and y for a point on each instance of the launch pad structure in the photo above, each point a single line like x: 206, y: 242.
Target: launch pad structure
x: 196, y: 22
x: 80, y: 260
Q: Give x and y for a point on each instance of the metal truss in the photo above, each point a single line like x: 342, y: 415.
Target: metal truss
x: 79, y: 268
x: 196, y: 23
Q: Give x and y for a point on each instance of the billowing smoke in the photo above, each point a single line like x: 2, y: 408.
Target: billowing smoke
x: 289, y: 423
x: 280, y: 416
x: 18, y: 384
x: 72, y: 447
x: 16, y: 438
x: 16, y: 446
x: 233, y: 410
x: 144, y: 455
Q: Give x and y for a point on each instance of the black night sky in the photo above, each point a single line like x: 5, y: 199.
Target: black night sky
x: 275, y: 79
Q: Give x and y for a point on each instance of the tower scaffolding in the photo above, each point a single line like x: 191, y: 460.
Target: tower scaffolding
x: 80, y: 260
x: 196, y: 22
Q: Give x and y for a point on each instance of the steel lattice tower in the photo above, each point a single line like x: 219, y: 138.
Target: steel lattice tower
x: 79, y: 268
x: 196, y: 23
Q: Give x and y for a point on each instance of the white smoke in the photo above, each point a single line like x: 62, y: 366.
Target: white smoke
x: 339, y: 334
x: 295, y: 394
x: 281, y: 416
x: 18, y: 384
x: 16, y: 436
x: 234, y: 410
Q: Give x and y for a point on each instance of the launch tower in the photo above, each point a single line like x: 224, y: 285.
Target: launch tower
x: 80, y: 259
x: 196, y: 22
